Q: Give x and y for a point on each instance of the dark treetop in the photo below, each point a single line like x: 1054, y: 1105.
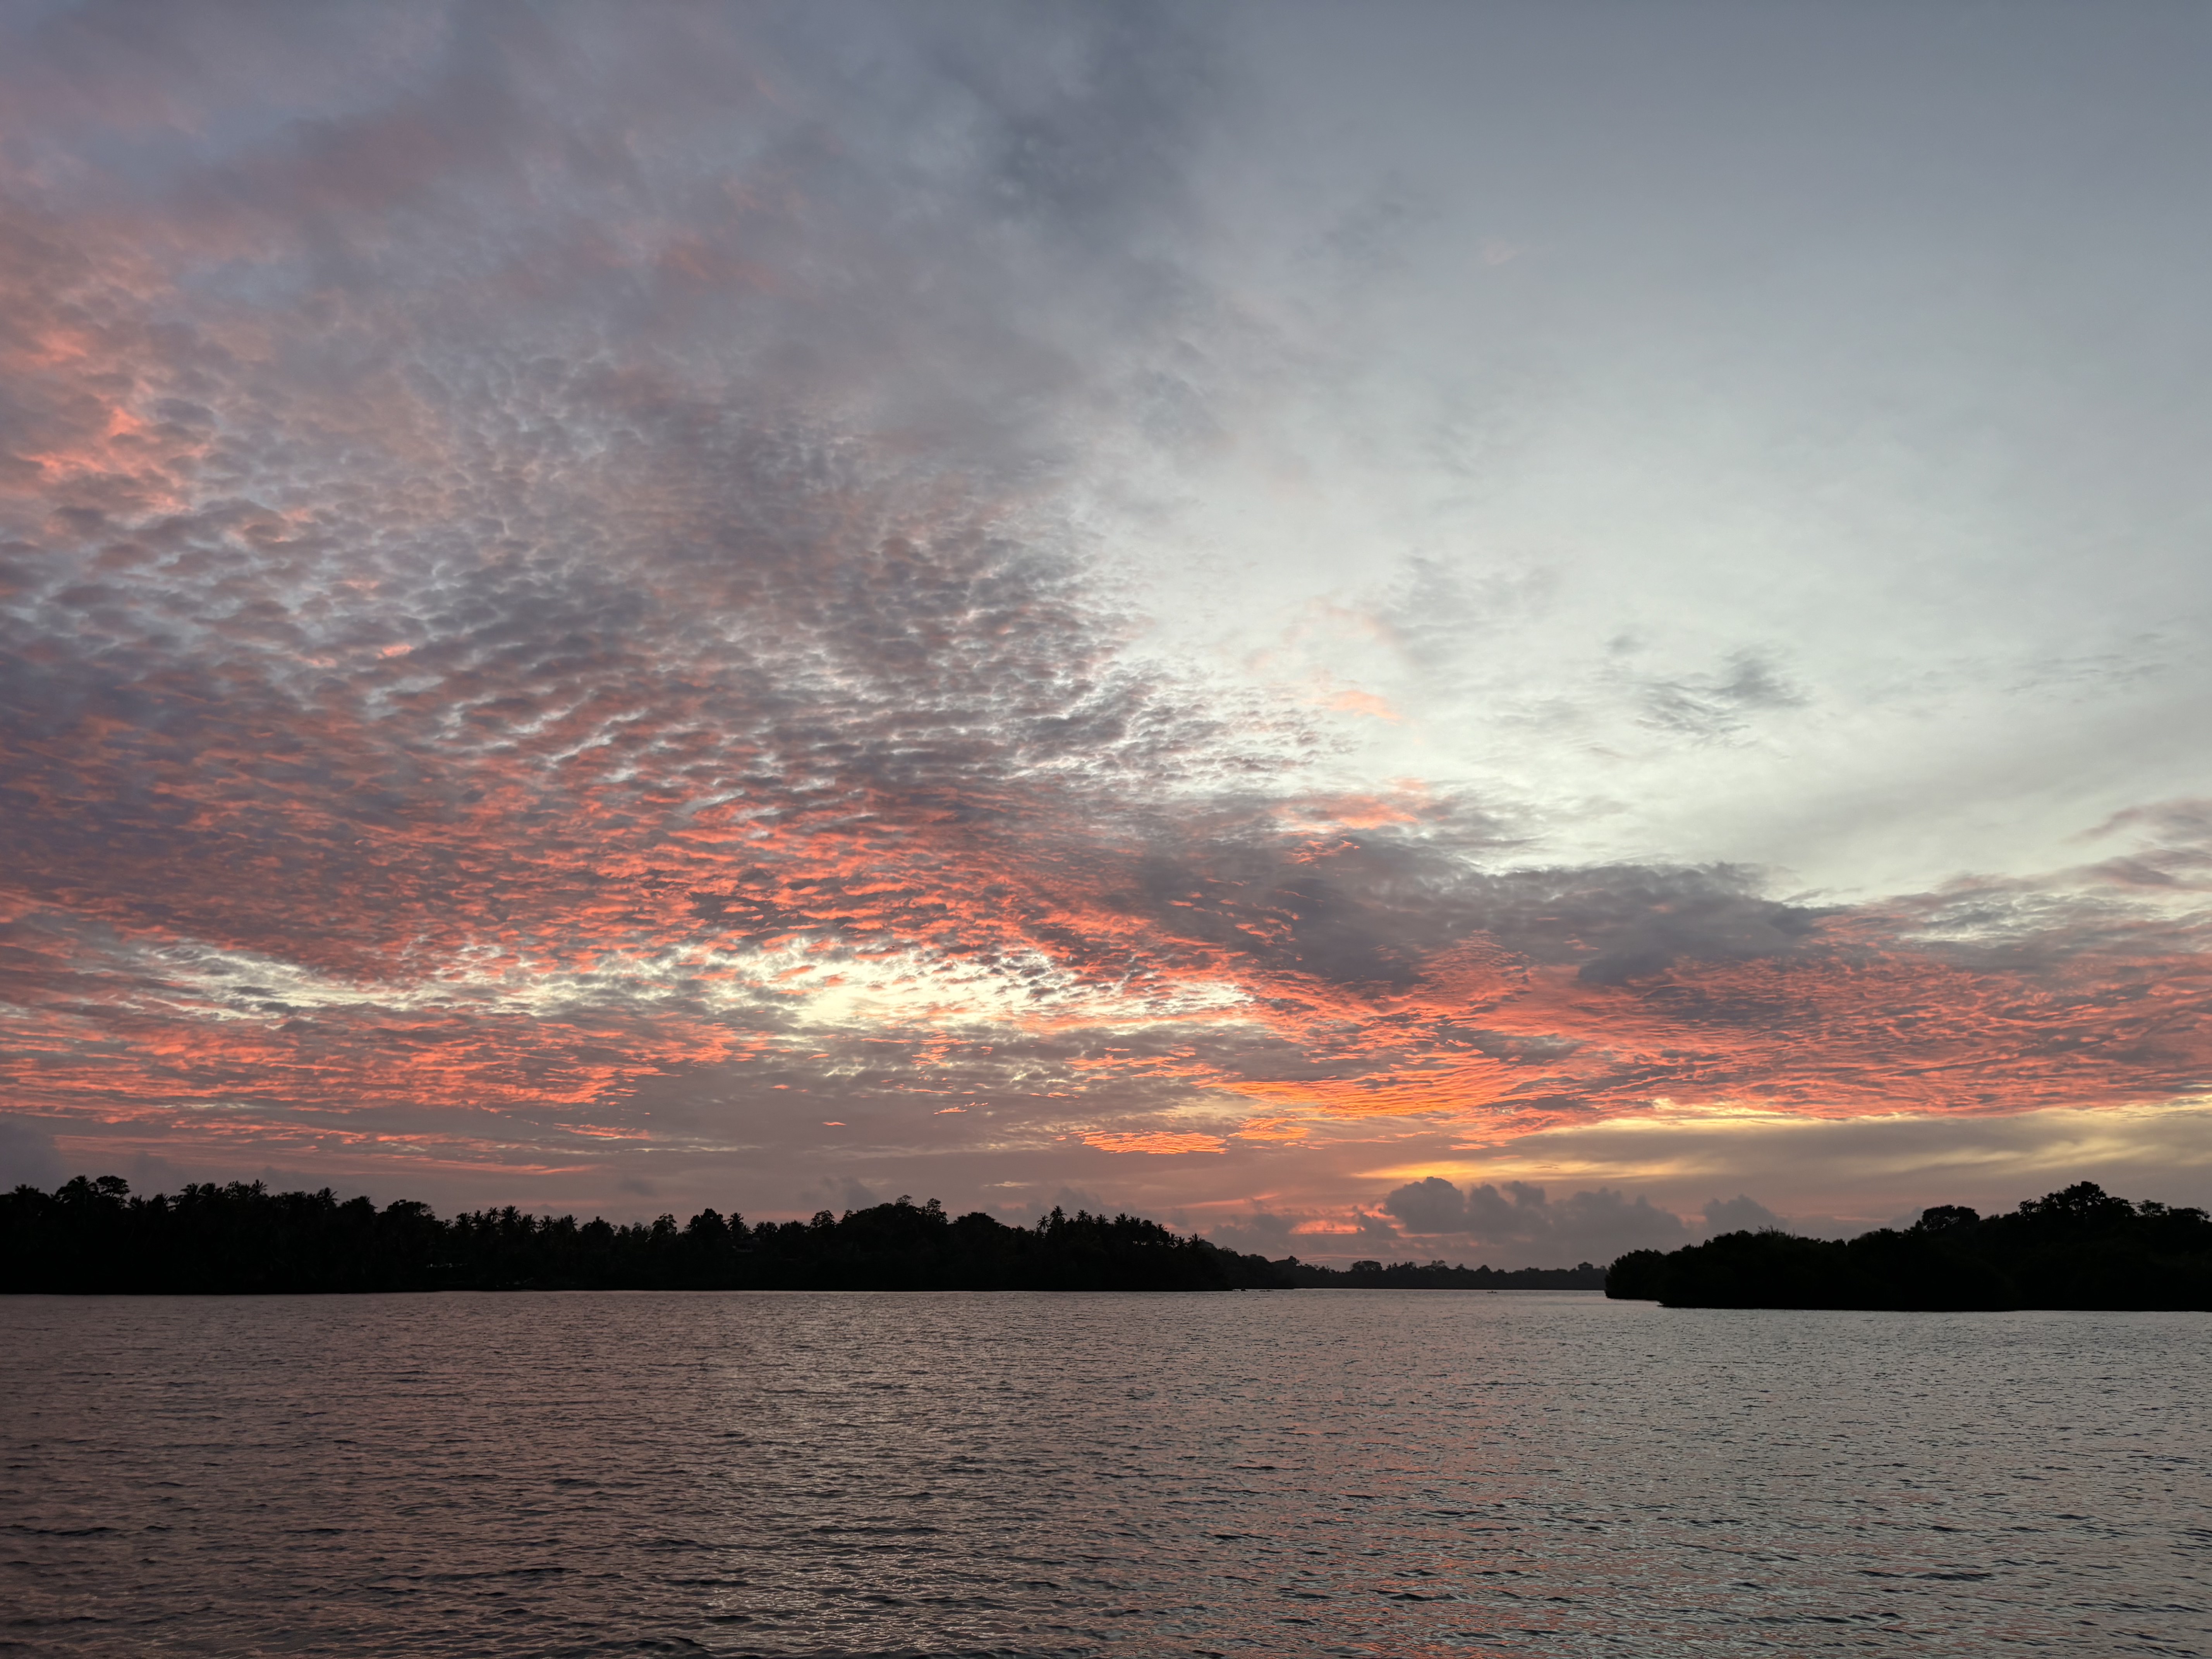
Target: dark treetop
x: 92, y: 1236
x: 2081, y: 1247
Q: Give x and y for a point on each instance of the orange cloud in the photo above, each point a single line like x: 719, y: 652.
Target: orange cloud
x: 415, y: 765
x: 1159, y: 1144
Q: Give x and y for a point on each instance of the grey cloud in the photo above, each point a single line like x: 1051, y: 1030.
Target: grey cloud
x: 1431, y: 1204
x: 1642, y: 920
x: 1377, y: 902
x: 1739, y: 1214
x: 1743, y: 1213
x: 28, y: 1156
x: 1374, y: 1232
x: 511, y: 592
x: 1260, y: 1231
x: 1713, y: 707
x: 913, y: 220
x: 1843, y: 1175
x: 2172, y: 846
x: 1830, y: 1226
x: 845, y: 1193
x: 2175, y: 823
x: 685, y: 537
x: 1443, y: 614
x: 1596, y: 1224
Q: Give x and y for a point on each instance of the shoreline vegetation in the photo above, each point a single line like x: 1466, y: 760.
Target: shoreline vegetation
x: 92, y: 1237
x: 2080, y: 1248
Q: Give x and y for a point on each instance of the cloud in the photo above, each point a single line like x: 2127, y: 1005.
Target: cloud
x: 1160, y: 1143
x: 1596, y: 1224
x: 1739, y: 1214
x: 1716, y: 706
x: 1432, y: 1204
x: 1257, y: 1231
x: 27, y: 1154
x: 1845, y: 1174
x: 570, y: 617
x: 852, y: 1194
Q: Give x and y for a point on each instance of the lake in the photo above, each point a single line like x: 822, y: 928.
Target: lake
x: 1314, y: 1471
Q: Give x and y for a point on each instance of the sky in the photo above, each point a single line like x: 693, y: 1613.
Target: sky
x: 1494, y: 632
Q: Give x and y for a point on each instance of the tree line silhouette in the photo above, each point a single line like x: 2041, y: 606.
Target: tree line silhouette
x: 1441, y: 1276
x: 91, y: 1236
x: 2081, y: 1248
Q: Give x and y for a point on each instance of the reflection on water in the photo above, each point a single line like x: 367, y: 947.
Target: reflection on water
x: 1317, y: 1471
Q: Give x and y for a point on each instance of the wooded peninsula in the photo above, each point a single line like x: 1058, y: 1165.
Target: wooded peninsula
x: 2079, y: 1248
x: 91, y: 1236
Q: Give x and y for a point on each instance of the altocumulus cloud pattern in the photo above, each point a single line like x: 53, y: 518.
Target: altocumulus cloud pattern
x: 597, y: 604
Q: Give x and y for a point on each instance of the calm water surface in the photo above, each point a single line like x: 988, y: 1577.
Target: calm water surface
x: 1312, y: 1473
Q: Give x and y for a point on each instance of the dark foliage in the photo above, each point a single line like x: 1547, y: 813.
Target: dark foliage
x: 2081, y: 1247
x: 92, y: 1236
x: 1441, y: 1276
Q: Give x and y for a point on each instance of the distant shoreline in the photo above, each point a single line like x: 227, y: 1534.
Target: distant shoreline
x: 761, y: 1289
x: 92, y: 1237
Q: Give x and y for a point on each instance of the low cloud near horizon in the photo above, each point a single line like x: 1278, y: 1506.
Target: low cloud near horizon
x: 1243, y: 610
x: 1594, y: 1225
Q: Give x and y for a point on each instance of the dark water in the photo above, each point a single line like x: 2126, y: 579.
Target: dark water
x: 1357, y: 1473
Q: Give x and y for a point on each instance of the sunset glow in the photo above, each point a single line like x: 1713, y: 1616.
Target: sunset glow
x: 783, y: 607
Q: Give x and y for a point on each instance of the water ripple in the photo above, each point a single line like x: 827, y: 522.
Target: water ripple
x: 1317, y: 1472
